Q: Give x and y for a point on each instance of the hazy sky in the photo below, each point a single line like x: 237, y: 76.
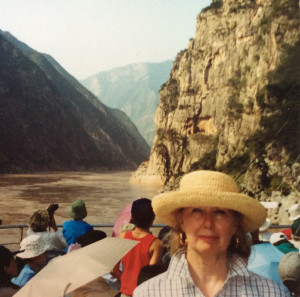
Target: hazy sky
x: 89, y: 36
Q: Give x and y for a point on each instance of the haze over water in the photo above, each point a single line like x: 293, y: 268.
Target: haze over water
x: 105, y: 195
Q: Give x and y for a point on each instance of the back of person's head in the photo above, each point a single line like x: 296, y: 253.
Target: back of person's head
x: 78, y: 210
x: 142, y: 214
x: 289, y: 272
x: 296, y: 230
x: 39, y: 221
x: 91, y: 237
x: 150, y: 271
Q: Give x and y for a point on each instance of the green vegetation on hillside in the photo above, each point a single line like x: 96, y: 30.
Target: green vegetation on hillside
x: 280, y: 100
x: 216, y: 4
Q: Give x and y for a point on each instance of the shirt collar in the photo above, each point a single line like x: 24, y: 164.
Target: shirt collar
x: 238, y: 267
x: 179, y: 267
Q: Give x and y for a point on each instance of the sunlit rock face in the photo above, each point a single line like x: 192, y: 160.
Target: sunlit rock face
x: 233, y: 96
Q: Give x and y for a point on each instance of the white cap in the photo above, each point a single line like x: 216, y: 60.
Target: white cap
x: 275, y: 237
x: 294, y: 212
x: 265, y: 225
x: 32, y: 246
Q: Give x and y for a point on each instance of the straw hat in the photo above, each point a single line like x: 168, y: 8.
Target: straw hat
x: 209, y: 189
x: 294, y: 212
x: 32, y: 246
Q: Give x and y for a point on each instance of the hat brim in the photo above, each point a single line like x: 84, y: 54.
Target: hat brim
x: 17, y: 252
x: 295, y: 218
x: 167, y: 204
x: 27, y: 254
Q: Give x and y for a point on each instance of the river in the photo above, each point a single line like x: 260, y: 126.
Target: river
x: 105, y: 195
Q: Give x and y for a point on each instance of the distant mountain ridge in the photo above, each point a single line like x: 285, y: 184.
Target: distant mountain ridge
x: 49, y: 121
x: 133, y: 89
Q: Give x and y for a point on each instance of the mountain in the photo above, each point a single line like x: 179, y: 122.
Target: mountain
x: 231, y: 102
x: 49, y: 121
x: 133, y: 89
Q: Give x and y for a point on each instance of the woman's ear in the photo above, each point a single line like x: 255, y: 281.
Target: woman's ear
x: 181, y: 221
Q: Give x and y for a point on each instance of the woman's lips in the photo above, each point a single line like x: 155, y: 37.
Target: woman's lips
x: 208, y: 238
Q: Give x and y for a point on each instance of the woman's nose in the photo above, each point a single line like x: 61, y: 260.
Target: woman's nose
x: 208, y: 221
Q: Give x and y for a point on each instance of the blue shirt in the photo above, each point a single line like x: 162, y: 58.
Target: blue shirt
x: 25, y: 275
x: 73, y: 229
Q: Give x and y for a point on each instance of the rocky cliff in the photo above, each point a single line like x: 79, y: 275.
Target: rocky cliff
x: 231, y: 102
x: 133, y: 89
x: 48, y: 121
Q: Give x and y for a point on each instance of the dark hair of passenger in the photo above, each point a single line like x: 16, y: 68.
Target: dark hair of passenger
x: 142, y: 214
x: 150, y: 271
x: 6, y: 257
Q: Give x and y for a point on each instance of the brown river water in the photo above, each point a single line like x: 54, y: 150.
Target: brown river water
x: 105, y: 195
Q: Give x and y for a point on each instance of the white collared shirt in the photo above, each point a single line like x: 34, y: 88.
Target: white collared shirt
x: 177, y: 282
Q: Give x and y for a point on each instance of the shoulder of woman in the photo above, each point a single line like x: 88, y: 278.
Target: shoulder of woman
x: 146, y: 288
x: 268, y: 286
x: 157, y: 243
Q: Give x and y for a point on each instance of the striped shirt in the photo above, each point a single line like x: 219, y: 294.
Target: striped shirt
x: 177, y: 282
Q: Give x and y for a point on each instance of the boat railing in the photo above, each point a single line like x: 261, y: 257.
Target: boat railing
x: 22, y: 227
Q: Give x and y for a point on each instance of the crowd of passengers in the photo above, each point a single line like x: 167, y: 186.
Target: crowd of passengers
x: 212, y: 245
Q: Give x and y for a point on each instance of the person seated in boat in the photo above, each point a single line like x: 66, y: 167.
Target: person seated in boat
x: 76, y: 227
x: 40, y: 223
x: 296, y: 234
x: 8, y: 270
x: 294, y: 216
x: 289, y: 272
x: 86, y: 239
x: 147, y: 252
x: 210, y: 246
x: 33, y: 253
x: 281, y: 241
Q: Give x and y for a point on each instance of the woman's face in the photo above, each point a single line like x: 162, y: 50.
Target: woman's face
x: 11, y: 270
x: 208, y: 229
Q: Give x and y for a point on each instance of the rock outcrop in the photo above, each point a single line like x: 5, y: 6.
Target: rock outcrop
x: 231, y: 102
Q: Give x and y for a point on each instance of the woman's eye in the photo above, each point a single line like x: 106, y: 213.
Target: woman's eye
x: 197, y: 210
x: 221, y: 212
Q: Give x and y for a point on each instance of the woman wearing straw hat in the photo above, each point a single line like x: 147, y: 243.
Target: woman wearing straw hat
x: 210, y: 219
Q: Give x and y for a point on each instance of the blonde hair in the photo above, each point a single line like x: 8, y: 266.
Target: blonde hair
x: 39, y: 221
x: 240, y: 243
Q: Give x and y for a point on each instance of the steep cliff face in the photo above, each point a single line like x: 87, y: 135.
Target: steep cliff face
x: 232, y: 97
